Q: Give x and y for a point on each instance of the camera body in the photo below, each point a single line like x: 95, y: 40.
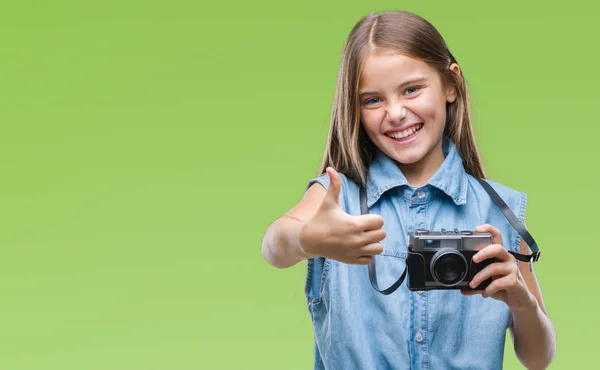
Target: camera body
x: 443, y: 259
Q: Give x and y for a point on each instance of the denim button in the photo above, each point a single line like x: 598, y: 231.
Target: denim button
x: 420, y: 292
x: 419, y: 337
x: 421, y: 194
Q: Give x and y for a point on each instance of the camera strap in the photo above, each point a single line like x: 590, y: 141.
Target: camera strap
x: 510, y: 216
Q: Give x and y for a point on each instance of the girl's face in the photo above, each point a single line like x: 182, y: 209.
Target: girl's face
x: 403, y: 107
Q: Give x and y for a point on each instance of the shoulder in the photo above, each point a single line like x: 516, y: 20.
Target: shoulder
x: 515, y: 199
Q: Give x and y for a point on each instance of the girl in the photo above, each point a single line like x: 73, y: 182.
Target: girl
x: 401, y: 127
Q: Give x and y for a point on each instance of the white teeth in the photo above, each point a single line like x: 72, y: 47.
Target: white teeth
x: 405, y: 133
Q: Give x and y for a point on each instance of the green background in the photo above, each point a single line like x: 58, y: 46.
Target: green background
x: 146, y: 146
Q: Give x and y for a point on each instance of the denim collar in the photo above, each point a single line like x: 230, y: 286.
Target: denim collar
x: 450, y: 177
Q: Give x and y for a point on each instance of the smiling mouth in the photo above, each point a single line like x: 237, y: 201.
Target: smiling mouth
x: 405, y: 134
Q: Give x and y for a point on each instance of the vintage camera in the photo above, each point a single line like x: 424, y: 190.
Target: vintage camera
x: 442, y: 259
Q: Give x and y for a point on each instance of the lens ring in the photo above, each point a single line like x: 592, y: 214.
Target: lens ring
x: 458, y: 258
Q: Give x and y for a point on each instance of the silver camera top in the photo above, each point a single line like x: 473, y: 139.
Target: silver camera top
x: 464, y: 240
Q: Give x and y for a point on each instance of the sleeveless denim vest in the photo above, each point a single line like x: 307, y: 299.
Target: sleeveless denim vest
x: 356, y: 327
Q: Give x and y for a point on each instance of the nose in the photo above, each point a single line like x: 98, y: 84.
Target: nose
x: 396, y: 111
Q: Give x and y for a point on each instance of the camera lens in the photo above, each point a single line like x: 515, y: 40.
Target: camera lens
x: 448, y: 267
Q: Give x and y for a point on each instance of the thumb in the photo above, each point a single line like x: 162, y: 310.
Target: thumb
x: 335, y: 185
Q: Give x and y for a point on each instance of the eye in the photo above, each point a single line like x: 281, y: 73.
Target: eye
x: 366, y: 102
x: 412, y: 90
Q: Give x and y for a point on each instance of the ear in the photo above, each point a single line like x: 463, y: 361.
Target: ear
x: 451, y: 91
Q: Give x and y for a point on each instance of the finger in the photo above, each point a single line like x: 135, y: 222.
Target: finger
x: 492, y: 251
x: 470, y: 292
x: 494, y: 269
x: 335, y: 186
x: 487, y: 228
x: 371, y: 249
x: 506, y: 282
x: 373, y: 236
x: 370, y: 221
x: 364, y: 260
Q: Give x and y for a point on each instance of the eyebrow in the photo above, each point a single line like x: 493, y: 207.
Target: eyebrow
x: 410, y: 81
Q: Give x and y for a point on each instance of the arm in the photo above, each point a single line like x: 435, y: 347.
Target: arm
x: 532, y: 332
x: 281, y: 246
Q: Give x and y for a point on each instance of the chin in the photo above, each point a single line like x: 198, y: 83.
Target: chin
x: 407, y: 155
x: 407, y: 159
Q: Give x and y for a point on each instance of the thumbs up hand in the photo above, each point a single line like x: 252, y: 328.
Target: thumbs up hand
x: 334, y: 234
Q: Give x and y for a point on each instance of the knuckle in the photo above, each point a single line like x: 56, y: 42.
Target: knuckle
x: 350, y: 254
x: 352, y: 223
x: 355, y: 240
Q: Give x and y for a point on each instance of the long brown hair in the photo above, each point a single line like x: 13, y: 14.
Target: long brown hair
x: 349, y: 150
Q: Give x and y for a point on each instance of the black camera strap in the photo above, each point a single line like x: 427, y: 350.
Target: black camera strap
x: 364, y: 209
x: 510, y: 216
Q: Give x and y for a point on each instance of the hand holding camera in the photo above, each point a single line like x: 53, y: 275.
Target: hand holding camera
x: 334, y: 234
x: 507, y: 284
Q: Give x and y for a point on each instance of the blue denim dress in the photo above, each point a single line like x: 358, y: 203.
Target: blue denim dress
x: 355, y: 327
